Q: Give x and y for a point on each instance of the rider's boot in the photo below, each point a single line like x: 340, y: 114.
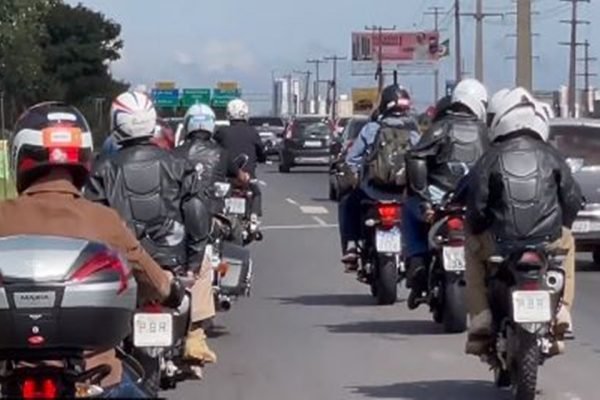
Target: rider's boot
x: 480, y: 334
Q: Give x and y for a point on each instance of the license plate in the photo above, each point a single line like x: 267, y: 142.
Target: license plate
x: 454, y: 258
x: 152, y: 330
x: 388, y: 241
x: 312, y: 143
x: 581, y: 226
x: 531, y: 306
x: 235, y: 205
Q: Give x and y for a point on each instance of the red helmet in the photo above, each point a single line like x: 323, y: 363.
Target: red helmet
x: 48, y: 135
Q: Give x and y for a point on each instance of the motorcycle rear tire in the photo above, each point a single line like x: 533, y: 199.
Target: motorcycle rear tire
x: 526, y: 366
x: 454, y: 315
x: 386, y: 281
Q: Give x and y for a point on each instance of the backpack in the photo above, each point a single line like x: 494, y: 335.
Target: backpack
x: 385, y: 166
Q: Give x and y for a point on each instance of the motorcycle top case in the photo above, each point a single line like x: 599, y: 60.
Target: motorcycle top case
x: 238, y: 278
x: 63, y: 294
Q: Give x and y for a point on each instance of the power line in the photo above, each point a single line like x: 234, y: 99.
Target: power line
x: 587, y: 75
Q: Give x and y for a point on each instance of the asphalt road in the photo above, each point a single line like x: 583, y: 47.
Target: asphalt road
x: 309, y: 331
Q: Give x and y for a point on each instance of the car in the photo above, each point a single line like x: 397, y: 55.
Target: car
x: 270, y: 130
x: 338, y: 149
x: 579, y: 141
x: 306, y: 142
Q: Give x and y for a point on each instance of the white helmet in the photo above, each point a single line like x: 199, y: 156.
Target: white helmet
x: 492, y: 108
x: 132, y: 115
x: 517, y: 111
x: 199, y: 117
x: 237, y: 110
x: 472, y: 94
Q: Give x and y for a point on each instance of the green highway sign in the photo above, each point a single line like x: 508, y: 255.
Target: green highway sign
x: 221, y: 97
x: 195, y: 96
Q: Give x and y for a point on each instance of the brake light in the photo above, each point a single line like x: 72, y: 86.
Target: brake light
x: 31, y: 389
x: 456, y: 224
x: 530, y: 257
x: 152, y: 308
x: 530, y: 285
x: 388, y: 214
x: 105, y: 261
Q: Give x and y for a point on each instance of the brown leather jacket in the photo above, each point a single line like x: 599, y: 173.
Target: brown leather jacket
x: 57, y: 208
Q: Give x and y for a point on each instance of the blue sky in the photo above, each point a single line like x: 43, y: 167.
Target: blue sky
x: 198, y: 42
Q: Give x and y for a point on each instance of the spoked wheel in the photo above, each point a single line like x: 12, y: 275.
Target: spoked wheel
x: 524, y: 377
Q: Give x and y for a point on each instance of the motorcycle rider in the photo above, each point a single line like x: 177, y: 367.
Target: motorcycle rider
x: 51, y: 150
x: 530, y: 200
x: 394, y: 105
x: 240, y: 138
x: 156, y: 194
x: 211, y: 160
x: 457, y: 139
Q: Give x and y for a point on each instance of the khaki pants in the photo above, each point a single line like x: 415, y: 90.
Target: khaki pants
x: 479, y: 248
x: 203, y: 302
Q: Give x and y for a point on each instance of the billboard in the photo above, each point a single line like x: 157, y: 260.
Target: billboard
x: 397, y: 47
x: 364, y: 100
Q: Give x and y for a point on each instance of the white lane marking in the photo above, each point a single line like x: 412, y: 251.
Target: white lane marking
x: 319, y: 221
x: 314, y: 210
x: 297, y: 227
x: 291, y: 201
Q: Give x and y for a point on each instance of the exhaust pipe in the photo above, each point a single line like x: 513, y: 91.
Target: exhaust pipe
x: 224, y: 303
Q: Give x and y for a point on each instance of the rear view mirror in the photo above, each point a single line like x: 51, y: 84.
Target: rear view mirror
x: 575, y: 164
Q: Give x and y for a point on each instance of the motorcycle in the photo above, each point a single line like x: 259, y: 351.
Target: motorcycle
x: 525, y: 288
x: 238, y: 206
x: 381, y: 264
x: 446, y: 282
x: 158, y: 341
x: 53, y: 315
x: 232, y: 265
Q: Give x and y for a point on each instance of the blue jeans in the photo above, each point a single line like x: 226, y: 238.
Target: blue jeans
x: 128, y: 388
x: 414, y: 228
x: 349, y: 217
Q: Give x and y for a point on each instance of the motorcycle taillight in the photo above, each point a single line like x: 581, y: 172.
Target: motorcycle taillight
x: 105, y: 261
x: 46, y: 389
x: 530, y: 258
x: 456, y: 224
x: 389, y: 214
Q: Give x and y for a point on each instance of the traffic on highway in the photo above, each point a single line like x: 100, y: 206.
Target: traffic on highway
x: 182, y: 240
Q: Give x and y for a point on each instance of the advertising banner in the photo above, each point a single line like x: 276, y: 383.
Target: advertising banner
x: 397, y: 47
x: 364, y: 99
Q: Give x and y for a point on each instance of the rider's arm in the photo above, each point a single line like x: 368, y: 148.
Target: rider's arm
x: 569, y: 192
x: 359, y: 147
x: 94, y: 189
x: 478, y: 194
x: 261, y: 155
x: 196, y: 217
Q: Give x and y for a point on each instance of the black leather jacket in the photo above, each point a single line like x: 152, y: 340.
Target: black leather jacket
x: 154, y: 193
x: 211, y: 162
x: 241, y: 138
x: 455, y: 139
x: 523, y: 190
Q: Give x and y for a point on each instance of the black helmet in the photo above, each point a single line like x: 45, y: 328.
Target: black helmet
x: 48, y: 135
x: 442, y: 107
x: 394, y: 98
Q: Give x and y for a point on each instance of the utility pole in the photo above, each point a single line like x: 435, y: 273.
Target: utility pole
x: 573, y: 54
x: 524, y: 73
x: 307, y: 75
x: 587, y: 75
x: 317, y: 63
x: 379, y: 75
x: 479, y: 16
x: 436, y: 12
x: 335, y: 58
x: 458, y: 55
